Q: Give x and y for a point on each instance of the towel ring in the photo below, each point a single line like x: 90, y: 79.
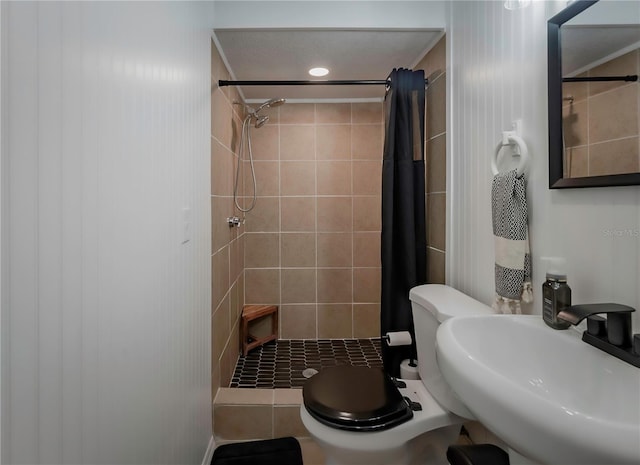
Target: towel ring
x: 524, y: 154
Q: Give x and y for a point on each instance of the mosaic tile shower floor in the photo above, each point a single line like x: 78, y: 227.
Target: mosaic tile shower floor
x: 279, y: 364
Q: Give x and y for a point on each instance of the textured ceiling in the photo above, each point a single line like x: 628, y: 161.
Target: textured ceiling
x: 287, y: 54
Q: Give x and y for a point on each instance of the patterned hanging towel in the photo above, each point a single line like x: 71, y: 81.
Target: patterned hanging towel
x: 511, y: 235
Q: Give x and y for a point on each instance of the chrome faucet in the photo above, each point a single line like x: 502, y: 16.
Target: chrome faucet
x: 613, y: 334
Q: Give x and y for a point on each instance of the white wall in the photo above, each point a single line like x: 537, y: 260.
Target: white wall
x: 105, y: 313
x: 498, y: 73
x: 329, y: 13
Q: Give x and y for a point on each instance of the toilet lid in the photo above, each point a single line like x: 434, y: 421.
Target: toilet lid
x: 355, y: 398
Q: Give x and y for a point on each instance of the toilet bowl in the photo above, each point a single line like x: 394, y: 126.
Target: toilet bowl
x: 360, y: 416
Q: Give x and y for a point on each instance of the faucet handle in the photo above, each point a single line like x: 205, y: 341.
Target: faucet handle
x: 596, y: 325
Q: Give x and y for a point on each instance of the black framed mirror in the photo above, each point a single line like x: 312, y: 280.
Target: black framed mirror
x: 593, y: 66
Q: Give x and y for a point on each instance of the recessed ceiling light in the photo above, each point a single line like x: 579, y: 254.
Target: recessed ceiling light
x: 318, y: 71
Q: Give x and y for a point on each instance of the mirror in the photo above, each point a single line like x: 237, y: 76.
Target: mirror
x: 593, y: 66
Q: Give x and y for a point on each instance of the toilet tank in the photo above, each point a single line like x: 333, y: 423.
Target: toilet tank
x: 432, y: 304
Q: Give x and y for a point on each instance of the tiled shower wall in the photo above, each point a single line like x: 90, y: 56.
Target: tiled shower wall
x: 312, y: 242
x: 227, y: 243
x: 434, y: 65
x: 601, y: 124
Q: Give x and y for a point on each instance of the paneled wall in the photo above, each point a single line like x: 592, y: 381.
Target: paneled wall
x: 313, y: 240
x: 105, y: 233
x: 498, y: 73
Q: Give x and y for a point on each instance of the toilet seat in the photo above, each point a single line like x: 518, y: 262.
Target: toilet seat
x: 355, y: 398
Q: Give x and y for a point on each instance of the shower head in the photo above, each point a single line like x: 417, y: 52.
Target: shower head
x: 260, y: 121
x: 274, y: 102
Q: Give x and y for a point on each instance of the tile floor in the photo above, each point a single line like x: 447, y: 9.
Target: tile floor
x: 280, y: 364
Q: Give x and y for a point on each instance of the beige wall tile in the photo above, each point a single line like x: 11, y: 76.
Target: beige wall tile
x: 219, y: 276
x: 366, y: 249
x: 614, y: 114
x: 366, y: 320
x: 287, y: 422
x: 334, y: 177
x: 578, y: 90
x: 367, y: 141
x: 435, y: 266
x: 267, y: 178
x: 577, y: 164
x: 333, y: 113
x: 367, y: 213
x: 221, y: 233
x: 298, y: 249
x: 367, y: 177
x: 298, y: 113
x: 334, y: 249
x: 335, y: 321
x: 221, y: 117
x: 220, y: 329
x: 265, y: 217
x: 334, y: 285
x: 435, y: 62
x: 334, y: 214
x: 298, y: 321
x: 575, y: 124
x: 297, y: 178
x: 262, y: 250
x: 272, y: 112
x: 265, y: 143
x: 298, y: 214
x: 614, y: 157
x: 236, y: 258
x: 298, y: 285
x: 436, y: 220
x: 297, y: 142
x: 243, y: 421
x: 225, y: 379
x: 437, y: 164
x: 366, y: 113
x: 236, y: 396
x: 262, y: 286
x: 366, y: 285
x: 621, y: 66
x: 236, y: 134
x: 333, y: 142
x: 283, y: 397
x: 436, y: 114
x: 222, y: 168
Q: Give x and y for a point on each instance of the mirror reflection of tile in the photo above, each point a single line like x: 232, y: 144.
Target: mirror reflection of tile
x: 600, y: 121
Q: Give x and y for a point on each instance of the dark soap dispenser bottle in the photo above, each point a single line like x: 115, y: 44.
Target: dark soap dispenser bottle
x: 556, y: 295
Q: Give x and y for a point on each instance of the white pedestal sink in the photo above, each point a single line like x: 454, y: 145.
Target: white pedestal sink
x: 550, y: 396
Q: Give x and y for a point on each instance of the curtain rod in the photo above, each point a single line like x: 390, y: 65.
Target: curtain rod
x: 630, y: 78
x: 223, y: 83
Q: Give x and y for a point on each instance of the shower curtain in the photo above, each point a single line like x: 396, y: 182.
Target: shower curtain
x: 404, y: 250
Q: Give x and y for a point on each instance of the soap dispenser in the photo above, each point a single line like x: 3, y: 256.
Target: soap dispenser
x: 556, y: 295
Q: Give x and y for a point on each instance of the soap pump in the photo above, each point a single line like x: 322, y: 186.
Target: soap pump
x: 556, y: 295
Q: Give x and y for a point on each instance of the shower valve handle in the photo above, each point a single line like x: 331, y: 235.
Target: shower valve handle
x: 234, y: 222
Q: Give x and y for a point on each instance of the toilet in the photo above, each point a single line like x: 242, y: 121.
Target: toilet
x: 360, y: 416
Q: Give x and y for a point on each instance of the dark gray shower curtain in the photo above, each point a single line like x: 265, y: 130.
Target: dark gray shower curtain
x: 404, y: 249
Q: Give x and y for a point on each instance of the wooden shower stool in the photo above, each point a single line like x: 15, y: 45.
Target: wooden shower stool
x: 253, y: 312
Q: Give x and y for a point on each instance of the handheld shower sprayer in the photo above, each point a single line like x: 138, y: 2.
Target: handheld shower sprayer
x: 254, y: 117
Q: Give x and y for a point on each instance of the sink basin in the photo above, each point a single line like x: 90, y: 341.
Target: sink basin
x: 550, y: 396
